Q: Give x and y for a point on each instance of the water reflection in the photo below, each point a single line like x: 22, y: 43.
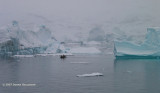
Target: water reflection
x: 141, y: 75
x: 24, y: 70
x: 54, y: 74
x: 8, y: 72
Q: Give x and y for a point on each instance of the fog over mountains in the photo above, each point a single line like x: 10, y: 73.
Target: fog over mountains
x: 73, y: 20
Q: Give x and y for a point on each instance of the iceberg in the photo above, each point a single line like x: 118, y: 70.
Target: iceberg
x: 150, y: 48
x: 15, y: 40
x: 90, y: 75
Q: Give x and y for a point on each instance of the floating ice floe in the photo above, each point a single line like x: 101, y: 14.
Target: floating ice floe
x: 23, y: 56
x: 90, y: 75
x: 128, y: 71
x: 149, y: 49
x: 55, y: 54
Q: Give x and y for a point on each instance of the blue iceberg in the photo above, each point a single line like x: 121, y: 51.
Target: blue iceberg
x: 15, y: 40
x: 149, y: 49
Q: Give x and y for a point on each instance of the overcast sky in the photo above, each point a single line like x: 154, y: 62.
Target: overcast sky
x: 80, y: 8
x: 96, y: 11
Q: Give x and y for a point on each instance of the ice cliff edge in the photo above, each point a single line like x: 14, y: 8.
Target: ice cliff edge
x: 150, y: 48
x: 15, y: 40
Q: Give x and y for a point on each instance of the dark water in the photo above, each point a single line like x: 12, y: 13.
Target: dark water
x: 53, y: 75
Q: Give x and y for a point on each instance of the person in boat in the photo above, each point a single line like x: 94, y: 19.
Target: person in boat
x: 63, y: 56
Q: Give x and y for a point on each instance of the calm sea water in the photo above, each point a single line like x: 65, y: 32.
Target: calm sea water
x: 53, y: 75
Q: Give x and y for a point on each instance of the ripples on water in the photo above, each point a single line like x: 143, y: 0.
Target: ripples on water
x: 53, y: 75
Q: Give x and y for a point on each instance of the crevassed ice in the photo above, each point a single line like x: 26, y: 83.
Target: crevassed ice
x: 150, y: 47
x: 15, y: 40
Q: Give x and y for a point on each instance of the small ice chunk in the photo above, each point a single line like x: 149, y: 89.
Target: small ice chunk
x: 90, y: 75
x: 23, y: 56
x: 128, y: 71
x: 41, y: 54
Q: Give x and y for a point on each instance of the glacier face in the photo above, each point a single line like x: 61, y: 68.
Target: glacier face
x: 149, y: 48
x: 18, y: 41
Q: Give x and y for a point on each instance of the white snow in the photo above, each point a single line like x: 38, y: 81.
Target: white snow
x: 23, y: 56
x: 93, y: 43
x: 85, y: 50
